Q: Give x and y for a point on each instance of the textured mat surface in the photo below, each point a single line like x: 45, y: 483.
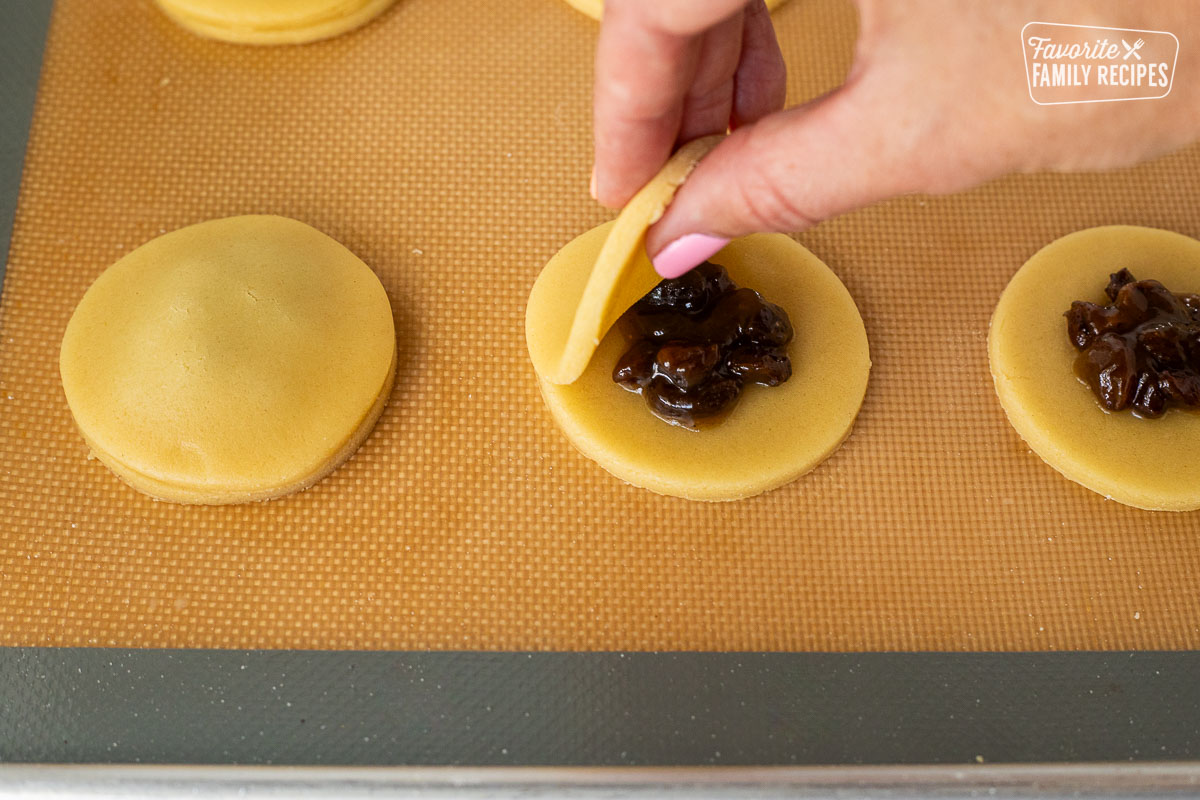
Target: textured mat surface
x: 447, y: 144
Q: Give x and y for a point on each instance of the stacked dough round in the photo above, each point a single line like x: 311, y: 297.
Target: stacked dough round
x: 272, y: 21
x: 234, y: 360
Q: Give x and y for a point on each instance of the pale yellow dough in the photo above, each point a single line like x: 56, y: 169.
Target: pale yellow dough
x: 590, y: 296
x: 772, y: 437
x: 234, y: 360
x: 272, y: 21
x: 1148, y: 464
x: 595, y: 8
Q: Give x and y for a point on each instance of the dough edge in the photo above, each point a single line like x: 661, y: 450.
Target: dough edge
x: 620, y: 273
x: 302, y: 32
x: 190, y: 495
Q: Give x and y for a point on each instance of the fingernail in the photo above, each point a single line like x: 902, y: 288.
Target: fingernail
x: 592, y: 186
x: 685, y: 253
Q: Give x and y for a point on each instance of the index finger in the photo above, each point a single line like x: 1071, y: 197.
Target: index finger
x: 643, y: 74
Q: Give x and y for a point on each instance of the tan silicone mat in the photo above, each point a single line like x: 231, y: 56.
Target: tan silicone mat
x: 448, y: 145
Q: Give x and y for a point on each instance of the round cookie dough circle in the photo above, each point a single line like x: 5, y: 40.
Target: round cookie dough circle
x: 272, y: 21
x: 773, y: 436
x: 595, y: 8
x: 1148, y: 464
x: 234, y: 360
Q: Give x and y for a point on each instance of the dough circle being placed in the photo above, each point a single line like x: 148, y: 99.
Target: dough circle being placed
x: 595, y: 293
x: 595, y: 8
x: 773, y: 436
x: 1146, y: 463
x: 272, y: 21
x: 234, y: 360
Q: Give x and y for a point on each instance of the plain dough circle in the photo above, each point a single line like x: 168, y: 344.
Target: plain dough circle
x: 1150, y: 464
x: 234, y: 360
x: 773, y: 436
x: 272, y: 21
x: 595, y: 8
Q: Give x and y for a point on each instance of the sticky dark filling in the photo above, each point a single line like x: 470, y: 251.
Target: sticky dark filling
x: 694, y: 342
x: 1142, y: 350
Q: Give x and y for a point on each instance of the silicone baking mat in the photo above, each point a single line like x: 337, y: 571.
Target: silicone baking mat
x: 448, y: 145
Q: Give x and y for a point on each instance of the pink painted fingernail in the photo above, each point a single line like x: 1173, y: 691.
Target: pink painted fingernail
x: 685, y: 253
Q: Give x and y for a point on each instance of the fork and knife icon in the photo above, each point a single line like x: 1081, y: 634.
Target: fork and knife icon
x: 1132, y: 49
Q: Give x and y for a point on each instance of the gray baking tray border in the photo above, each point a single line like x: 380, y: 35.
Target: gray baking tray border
x: 23, y: 25
x: 103, y: 706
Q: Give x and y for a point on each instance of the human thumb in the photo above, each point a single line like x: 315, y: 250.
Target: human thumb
x: 787, y: 172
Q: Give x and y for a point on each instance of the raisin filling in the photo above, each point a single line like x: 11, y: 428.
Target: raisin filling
x: 694, y: 342
x: 1141, y: 351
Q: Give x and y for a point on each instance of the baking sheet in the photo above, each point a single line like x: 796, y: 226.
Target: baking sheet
x: 467, y: 522
x: 972, y: 710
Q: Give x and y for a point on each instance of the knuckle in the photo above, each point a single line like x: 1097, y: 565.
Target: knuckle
x: 767, y: 204
x: 634, y: 100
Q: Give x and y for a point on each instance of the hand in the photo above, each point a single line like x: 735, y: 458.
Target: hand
x: 936, y: 102
x: 670, y: 72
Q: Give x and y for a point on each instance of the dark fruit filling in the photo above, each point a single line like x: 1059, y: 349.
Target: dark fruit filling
x: 695, y: 341
x: 1142, y: 351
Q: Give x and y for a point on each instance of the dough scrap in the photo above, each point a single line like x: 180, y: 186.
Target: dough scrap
x: 595, y: 8
x: 272, y: 21
x: 773, y: 436
x: 605, y: 274
x: 233, y: 360
x: 1148, y: 464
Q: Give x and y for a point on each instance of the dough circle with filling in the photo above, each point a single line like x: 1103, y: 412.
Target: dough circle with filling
x: 1145, y: 463
x: 772, y: 436
x: 595, y: 8
x: 234, y: 360
x: 272, y: 21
